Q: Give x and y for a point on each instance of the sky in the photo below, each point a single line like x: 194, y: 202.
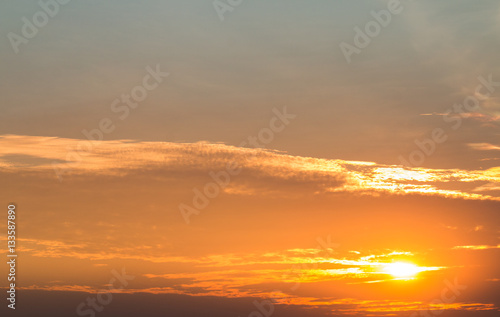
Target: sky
x: 251, y: 158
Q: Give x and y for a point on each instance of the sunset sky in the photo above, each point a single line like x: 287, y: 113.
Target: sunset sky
x: 227, y: 158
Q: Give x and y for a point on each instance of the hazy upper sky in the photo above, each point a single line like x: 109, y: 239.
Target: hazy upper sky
x: 349, y: 161
x: 225, y: 77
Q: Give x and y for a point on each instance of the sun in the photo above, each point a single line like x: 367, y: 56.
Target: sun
x: 402, y: 269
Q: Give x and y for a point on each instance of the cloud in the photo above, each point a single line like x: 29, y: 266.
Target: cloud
x: 279, y: 170
x: 476, y: 247
x: 241, y: 274
x: 483, y: 147
x: 481, y: 117
x: 488, y: 187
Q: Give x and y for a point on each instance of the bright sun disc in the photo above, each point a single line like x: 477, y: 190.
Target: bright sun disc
x: 401, y: 269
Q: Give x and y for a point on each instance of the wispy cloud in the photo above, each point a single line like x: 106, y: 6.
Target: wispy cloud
x: 483, y: 146
x: 122, y: 157
x: 476, y: 247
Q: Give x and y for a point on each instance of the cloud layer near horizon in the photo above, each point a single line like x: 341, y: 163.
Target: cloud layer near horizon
x: 255, y: 237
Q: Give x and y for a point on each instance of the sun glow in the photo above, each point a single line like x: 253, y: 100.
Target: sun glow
x: 402, y: 269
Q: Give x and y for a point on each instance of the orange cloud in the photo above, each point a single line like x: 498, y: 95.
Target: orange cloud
x: 483, y: 146
x: 48, y: 155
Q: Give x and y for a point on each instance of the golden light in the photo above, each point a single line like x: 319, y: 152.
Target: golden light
x: 402, y: 269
